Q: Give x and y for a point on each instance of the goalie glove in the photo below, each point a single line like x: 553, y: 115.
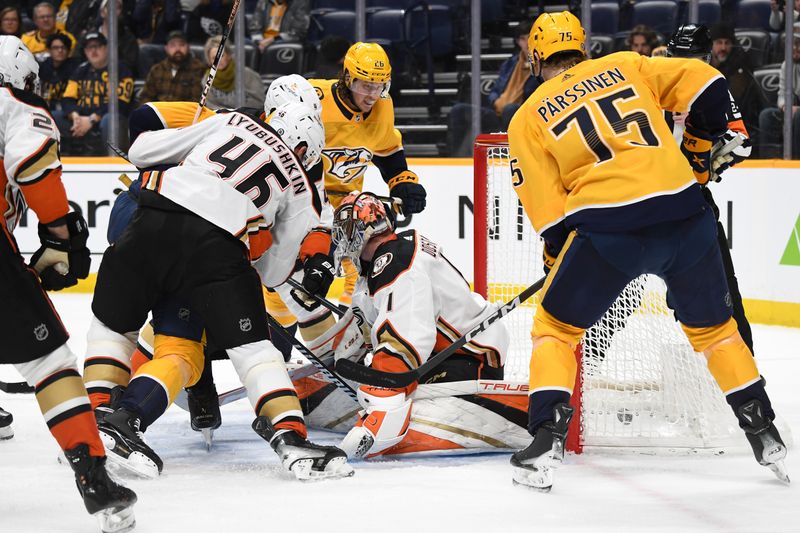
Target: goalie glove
x: 406, y: 187
x: 696, y: 147
x: 62, y: 262
x: 731, y: 149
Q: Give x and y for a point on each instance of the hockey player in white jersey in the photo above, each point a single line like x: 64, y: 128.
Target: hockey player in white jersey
x: 34, y: 339
x: 239, y: 195
x: 413, y: 303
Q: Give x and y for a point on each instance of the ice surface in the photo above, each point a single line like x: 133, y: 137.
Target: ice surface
x: 239, y: 485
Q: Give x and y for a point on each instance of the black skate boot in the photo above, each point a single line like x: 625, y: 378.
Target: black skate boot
x: 204, y: 414
x: 6, y: 431
x: 111, y: 503
x: 306, y: 460
x: 533, y: 466
x: 105, y: 409
x: 763, y: 436
x: 126, y: 446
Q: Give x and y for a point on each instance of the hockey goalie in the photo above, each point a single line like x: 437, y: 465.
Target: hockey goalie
x: 410, y: 303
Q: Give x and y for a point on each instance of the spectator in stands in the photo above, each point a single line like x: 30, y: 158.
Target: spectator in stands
x: 44, y: 17
x: 152, y: 20
x: 284, y: 20
x: 177, y: 78
x: 127, y: 46
x: 85, y: 101
x: 771, y: 119
x: 330, y: 58
x: 223, y: 92
x: 55, y: 71
x: 513, y: 85
x: 776, y: 17
x: 10, y: 22
x: 732, y: 62
x: 642, y: 40
x: 79, y: 17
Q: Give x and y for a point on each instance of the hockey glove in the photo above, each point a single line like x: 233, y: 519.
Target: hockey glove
x: 406, y: 187
x: 696, y: 147
x: 318, y: 274
x: 731, y: 149
x: 62, y: 262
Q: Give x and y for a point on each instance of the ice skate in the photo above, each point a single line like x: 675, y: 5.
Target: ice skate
x: 6, y: 431
x: 126, y: 446
x: 763, y: 436
x: 306, y: 460
x: 533, y: 467
x: 105, y: 409
x: 110, y: 502
x: 204, y: 414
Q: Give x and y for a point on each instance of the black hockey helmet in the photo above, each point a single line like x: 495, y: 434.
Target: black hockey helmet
x: 690, y: 40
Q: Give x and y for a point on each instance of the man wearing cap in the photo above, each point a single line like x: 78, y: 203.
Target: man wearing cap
x: 771, y: 119
x: 44, y: 17
x: 85, y: 102
x: 176, y: 78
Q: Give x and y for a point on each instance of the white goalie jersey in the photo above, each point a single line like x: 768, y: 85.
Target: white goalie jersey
x: 237, y: 173
x: 418, y: 303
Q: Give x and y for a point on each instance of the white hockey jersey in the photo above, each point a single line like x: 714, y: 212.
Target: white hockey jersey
x: 238, y: 174
x: 30, y: 174
x: 418, y: 303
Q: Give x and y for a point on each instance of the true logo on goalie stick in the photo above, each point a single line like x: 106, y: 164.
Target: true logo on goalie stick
x: 245, y: 324
x: 381, y: 263
x: 41, y: 332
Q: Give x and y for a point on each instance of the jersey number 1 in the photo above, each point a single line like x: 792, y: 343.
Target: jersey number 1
x: 582, y: 116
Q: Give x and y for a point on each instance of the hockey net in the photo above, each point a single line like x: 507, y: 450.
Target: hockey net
x: 640, y: 385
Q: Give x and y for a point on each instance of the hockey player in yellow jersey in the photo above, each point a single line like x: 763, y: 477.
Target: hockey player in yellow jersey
x: 602, y: 182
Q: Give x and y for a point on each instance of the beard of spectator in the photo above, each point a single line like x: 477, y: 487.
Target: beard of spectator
x: 177, y: 57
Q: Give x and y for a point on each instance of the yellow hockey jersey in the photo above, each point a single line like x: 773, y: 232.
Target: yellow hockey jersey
x: 590, y: 147
x: 354, y: 139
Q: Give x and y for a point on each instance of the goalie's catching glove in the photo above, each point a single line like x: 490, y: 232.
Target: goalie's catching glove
x: 731, y: 149
x: 406, y: 187
x: 62, y: 262
x: 696, y: 147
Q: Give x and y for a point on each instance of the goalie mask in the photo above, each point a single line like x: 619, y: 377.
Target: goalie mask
x: 18, y: 68
x: 290, y: 89
x: 358, y: 218
x: 299, y: 125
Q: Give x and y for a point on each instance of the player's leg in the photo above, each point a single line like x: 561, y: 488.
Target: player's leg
x: 698, y: 291
x: 580, y: 287
x: 6, y: 431
x: 278, y: 310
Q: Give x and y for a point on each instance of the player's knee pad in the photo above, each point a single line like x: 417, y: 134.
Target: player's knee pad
x: 702, y: 338
x: 108, y: 360
x: 233, y: 310
x: 277, y: 309
x: 189, y: 352
x: 546, y: 325
x: 144, y: 347
x: 388, y: 414
x: 48, y: 365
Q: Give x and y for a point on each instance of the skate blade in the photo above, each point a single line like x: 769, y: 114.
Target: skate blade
x: 779, y: 469
x: 208, y: 436
x: 539, y: 479
x: 6, y: 433
x: 335, y: 469
x: 116, y: 520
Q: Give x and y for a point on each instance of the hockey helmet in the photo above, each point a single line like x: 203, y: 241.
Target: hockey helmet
x: 358, y: 218
x: 367, y: 69
x: 553, y: 33
x: 18, y: 67
x: 690, y: 40
x: 288, y: 89
x: 299, y: 124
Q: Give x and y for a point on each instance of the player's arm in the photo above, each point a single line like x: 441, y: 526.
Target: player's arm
x: 164, y: 115
x: 169, y: 146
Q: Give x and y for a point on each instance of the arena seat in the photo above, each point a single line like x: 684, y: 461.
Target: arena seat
x: 600, y: 45
x: 441, y: 27
x: 660, y: 15
x: 605, y: 18
x: 768, y: 79
x: 324, y: 23
x: 282, y: 58
x: 753, y: 14
x: 386, y: 24
x: 709, y: 12
x: 756, y: 44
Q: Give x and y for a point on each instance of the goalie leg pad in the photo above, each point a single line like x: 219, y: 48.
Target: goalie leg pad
x: 108, y: 361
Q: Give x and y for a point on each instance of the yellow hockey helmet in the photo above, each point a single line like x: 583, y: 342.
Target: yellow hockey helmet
x: 555, y: 32
x: 369, y: 63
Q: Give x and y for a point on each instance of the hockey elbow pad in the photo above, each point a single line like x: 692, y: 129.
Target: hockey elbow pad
x: 696, y: 147
x: 62, y: 262
x: 406, y: 187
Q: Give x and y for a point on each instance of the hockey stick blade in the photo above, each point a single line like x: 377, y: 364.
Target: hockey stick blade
x: 330, y: 306
x: 398, y: 380
x: 19, y: 387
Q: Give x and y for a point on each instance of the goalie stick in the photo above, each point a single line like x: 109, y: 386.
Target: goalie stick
x: 398, y: 380
x: 330, y: 306
x: 19, y: 387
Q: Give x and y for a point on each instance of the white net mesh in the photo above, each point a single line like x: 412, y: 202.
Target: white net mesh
x: 643, y: 385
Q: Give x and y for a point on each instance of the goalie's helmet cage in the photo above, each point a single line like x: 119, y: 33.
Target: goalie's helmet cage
x: 369, y: 63
x: 358, y: 218
x: 18, y: 67
x: 690, y: 40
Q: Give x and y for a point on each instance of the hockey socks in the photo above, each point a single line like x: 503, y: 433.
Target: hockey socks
x: 147, y: 397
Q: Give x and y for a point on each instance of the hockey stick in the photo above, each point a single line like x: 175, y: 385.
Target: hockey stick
x: 316, y: 361
x: 399, y: 380
x: 212, y: 72
x: 19, y: 387
x: 330, y: 306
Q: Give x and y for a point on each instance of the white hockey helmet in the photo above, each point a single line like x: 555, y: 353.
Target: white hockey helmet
x: 18, y: 67
x: 288, y: 89
x: 299, y: 124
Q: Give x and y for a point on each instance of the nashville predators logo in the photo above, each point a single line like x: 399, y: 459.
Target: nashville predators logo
x: 347, y: 164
